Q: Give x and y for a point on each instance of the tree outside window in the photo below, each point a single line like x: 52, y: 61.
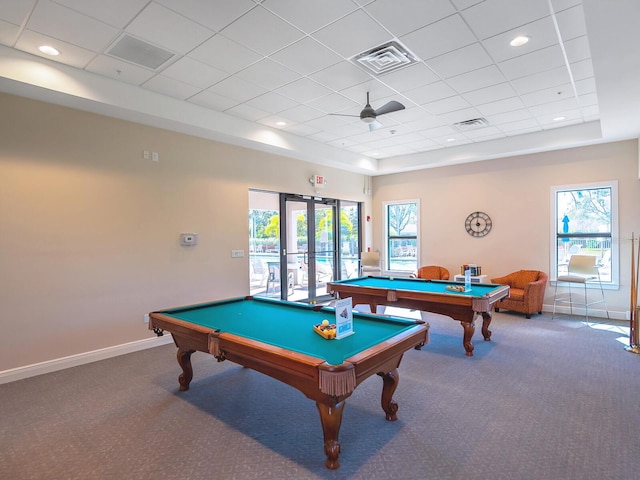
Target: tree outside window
x: 402, y: 236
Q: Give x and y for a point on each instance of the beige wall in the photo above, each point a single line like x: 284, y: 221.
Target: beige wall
x: 516, y: 193
x: 89, y: 230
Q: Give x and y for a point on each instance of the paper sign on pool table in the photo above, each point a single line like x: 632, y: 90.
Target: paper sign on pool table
x: 344, y: 318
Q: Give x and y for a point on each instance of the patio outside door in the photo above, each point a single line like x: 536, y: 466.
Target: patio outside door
x: 309, y: 257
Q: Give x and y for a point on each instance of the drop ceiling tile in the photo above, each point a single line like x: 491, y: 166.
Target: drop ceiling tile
x: 430, y: 93
x: 213, y: 14
x: 577, y: 49
x: 302, y: 113
x: 268, y: 74
x: 56, y: 21
x: 340, y: 76
x: 117, y: 13
x: 70, y: 54
x: 247, y: 112
x: 464, y: 4
x: 542, y: 34
x: 301, y: 130
x: 409, y: 15
x: 509, y: 117
x: 410, y: 77
x: 439, y: 38
x: 531, y: 63
x: 262, y: 31
x: 542, y: 80
x: 194, y: 73
x: 169, y: 86
x: 212, y: 100
x: 490, y: 94
x: 583, y: 69
x: 586, y: 85
x: 15, y: 12
x: 554, y: 108
x: 8, y: 33
x: 571, y: 23
x: 547, y: 95
x: 225, y: 54
x: 483, y: 77
x: 528, y: 125
x: 446, y: 105
x: 483, y: 132
x: 463, y: 60
x: 237, y: 89
x: 303, y: 90
x: 306, y: 56
x: 493, y: 17
x: 500, y: 106
x: 274, y: 120
x: 163, y: 27
x: 451, y: 118
x: 353, y: 34
x: 118, y: 69
x: 334, y: 103
x: 272, y: 102
x: 310, y: 16
x: 323, y: 137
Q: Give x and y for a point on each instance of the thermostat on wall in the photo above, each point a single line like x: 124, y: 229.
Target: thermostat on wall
x: 188, y: 239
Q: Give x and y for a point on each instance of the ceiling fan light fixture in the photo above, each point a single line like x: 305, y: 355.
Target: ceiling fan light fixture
x: 368, y: 119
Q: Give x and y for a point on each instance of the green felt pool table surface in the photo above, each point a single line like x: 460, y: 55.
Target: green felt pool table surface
x: 290, y: 326
x: 420, y: 285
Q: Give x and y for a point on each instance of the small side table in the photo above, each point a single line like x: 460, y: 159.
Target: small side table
x: 474, y: 278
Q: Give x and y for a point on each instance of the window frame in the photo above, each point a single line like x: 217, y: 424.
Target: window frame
x: 386, y: 257
x: 614, y: 283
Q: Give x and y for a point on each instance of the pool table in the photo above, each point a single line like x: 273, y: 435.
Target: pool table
x: 428, y: 296
x: 277, y: 338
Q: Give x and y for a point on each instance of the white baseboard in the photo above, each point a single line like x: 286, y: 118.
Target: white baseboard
x: 56, y: 364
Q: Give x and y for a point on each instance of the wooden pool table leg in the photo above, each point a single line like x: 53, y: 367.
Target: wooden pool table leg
x: 331, y: 419
x: 486, y: 320
x: 469, y: 329
x: 184, y: 360
x: 389, y: 384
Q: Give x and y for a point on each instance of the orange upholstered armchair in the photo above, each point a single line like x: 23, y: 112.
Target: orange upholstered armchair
x: 526, y: 292
x: 432, y: 272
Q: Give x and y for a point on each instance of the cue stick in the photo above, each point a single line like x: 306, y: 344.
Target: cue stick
x: 633, y: 322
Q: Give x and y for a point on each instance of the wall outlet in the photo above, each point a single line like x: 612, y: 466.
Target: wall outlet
x: 237, y: 253
x: 146, y: 318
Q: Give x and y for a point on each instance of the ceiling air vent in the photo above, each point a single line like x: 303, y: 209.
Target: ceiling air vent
x: 385, y: 58
x: 473, y: 124
x: 141, y: 53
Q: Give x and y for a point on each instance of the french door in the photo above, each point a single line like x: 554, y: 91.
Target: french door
x: 308, y: 232
x: 298, y: 243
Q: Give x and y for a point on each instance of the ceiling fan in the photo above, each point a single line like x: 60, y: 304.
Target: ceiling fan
x: 368, y: 114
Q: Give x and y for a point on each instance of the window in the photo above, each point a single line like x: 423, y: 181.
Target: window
x: 585, y: 222
x: 401, y: 232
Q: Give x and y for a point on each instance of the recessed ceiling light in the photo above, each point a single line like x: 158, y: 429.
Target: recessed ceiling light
x: 520, y: 41
x: 281, y: 124
x: 558, y: 119
x: 49, y: 50
x: 451, y: 139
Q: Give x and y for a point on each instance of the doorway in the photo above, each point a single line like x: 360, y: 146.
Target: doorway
x: 294, y: 249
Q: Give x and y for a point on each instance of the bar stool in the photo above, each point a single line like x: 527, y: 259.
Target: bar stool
x: 582, y: 270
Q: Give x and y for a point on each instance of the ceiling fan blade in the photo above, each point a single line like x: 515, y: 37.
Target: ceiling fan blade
x: 374, y: 125
x: 389, y: 107
x: 343, y: 115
